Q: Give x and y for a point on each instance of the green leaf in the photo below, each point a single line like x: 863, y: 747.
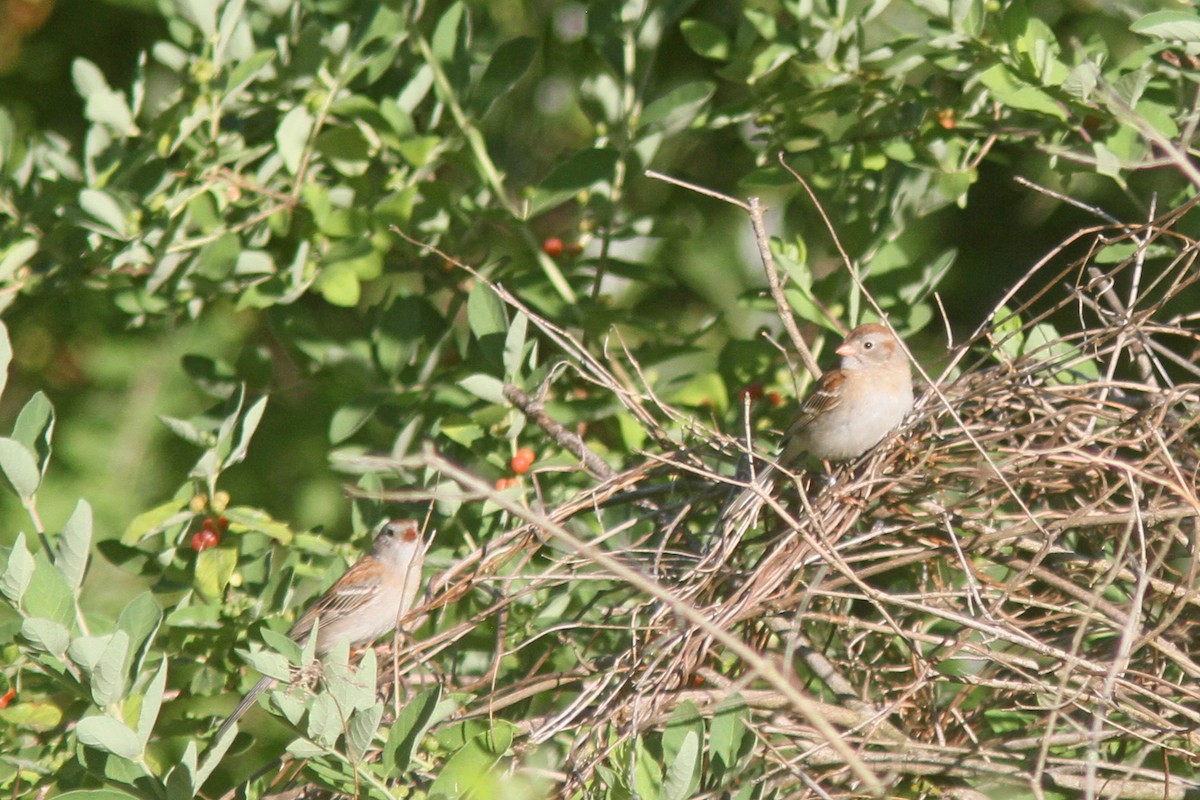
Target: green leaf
x: 249, y: 424
x: 1014, y: 93
x: 155, y: 520
x: 51, y: 636
x: 418, y: 150
x: 16, y: 255
x: 20, y: 467
x: 444, y: 42
x: 109, y: 736
x: 485, y: 312
x: 353, y: 689
x: 647, y: 775
x: 34, y: 428
x: 685, y: 719
x: 18, y: 572
x: 508, y: 63
x: 151, y: 703
x: 475, y: 759
x: 101, y: 104
x: 74, y: 545
x: 1179, y: 26
x: 270, y: 663
x: 253, y: 519
x: 361, y: 730
x: 109, y: 673
x: 97, y: 794
x: 48, y: 594
x: 705, y: 39
x: 182, y: 779
x: 214, y: 568
x: 347, y: 150
x: 683, y: 772
x: 227, y: 39
x: 40, y: 717
x: 245, y: 71
x: 514, y: 346
x: 348, y: 420
x: 141, y: 618
x: 212, y: 376
x: 727, y: 732
x: 409, y: 728
x: 218, y: 258
x: 678, y: 108
x: 581, y: 171
x: 1006, y: 329
x: 485, y: 387
x: 292, y: 136
x: 104, y: 208
x: 324, y: 719
x: 86, y: 651
x: 703, y: 389
x: 339, y: 285
x: 5, y: 356
x: 201, y: 13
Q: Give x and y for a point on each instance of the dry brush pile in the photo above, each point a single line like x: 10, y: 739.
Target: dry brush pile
x: 1002, y: 594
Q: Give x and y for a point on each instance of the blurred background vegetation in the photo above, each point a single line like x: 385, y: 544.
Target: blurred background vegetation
x: 202, y: 195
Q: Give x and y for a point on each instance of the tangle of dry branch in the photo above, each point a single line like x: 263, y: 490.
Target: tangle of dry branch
x: 1002, y: 594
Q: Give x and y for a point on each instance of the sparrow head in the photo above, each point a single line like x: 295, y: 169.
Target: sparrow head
x: 870, y: 345
x: 398, y: 540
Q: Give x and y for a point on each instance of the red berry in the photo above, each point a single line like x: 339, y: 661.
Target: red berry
x: 506, y: 483
x: 7, y: 697
x: 553, y: 247
x: 775, y: 399
x: 522, y: 460
x: 204, y: 539
x: 222, y: 524
x: 753, y: 391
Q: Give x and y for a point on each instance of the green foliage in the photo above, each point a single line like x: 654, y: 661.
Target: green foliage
x: 331, y: 197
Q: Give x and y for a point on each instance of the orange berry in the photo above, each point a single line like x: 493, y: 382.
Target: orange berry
x: 553, y: 247
x: 506, y: 483
x: 7, y: 697
x: 522, y: 461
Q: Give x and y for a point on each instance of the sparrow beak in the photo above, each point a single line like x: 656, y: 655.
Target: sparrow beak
x: 846, y: 349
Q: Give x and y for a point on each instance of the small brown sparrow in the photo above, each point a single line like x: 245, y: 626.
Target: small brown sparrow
x: 847, y: 413
x: 366, y: 602
x: 853, y: 407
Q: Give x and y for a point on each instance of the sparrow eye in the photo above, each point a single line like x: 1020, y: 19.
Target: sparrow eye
x: 867, y: 345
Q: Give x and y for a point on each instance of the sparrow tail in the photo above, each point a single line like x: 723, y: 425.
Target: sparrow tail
x: 263, y: 684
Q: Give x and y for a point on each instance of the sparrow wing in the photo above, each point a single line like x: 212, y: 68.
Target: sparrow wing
x: 354, y: 589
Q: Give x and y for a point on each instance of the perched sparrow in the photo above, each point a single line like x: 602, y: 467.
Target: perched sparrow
x: 367, y: 602
x: 849, y: 411
x: 852, y: 408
